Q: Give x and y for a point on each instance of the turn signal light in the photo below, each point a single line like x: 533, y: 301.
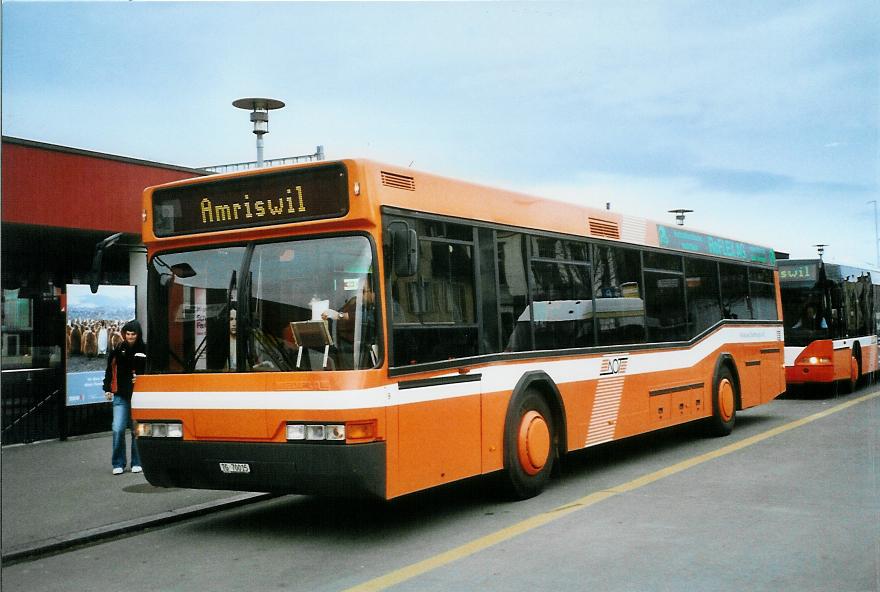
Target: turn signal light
x: 361, y: 431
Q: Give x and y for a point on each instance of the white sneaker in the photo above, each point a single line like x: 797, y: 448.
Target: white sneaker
x: 117, y: 471
x: 136, y: 469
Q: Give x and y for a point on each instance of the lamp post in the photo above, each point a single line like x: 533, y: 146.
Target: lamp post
x: 876, y: 234
x: 679, y: 215
x: 821, y: 249
x: 259, y: 109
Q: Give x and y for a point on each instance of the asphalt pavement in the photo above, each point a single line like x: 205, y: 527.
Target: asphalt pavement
x: 59, y: 494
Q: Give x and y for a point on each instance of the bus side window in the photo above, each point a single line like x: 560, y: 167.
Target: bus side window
x: 490, y: 339
x: 513, y: 292
x: 734, y: 291
x: 664, y: 305
x: 561, y: 299
x: 762, y: 291
x: 703, y: 295
x: 620, y: 305
x: 434, y: 312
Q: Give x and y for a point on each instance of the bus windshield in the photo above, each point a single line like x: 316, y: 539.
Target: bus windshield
x: 298, y: 305
x: 804, y: 310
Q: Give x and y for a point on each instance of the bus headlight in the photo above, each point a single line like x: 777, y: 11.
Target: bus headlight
x: 315, y: 432
x: 813, y: 361
x: 296, y: 431
x: 334, y: 432
x: 155, y: 429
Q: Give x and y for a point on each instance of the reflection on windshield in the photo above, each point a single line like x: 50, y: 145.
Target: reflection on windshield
x: 190, y: 306
x: 300, y: 305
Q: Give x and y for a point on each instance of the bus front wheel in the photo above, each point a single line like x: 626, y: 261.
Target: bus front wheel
x: 529, y: 442
x: 849, y: 384
x: 723, y: 403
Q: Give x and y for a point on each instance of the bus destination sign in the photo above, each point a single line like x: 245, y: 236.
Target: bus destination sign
x: 799, y: 273
x: 696, y: 242
x: 257, y: 200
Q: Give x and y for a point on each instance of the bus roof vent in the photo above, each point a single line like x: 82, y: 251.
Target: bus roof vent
x: 604, y: 228
x: 398, y: 181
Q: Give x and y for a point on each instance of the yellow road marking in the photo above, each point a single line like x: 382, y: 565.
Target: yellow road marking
x: 416, y: 569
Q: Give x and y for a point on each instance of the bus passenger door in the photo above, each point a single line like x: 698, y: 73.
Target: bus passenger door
x: 439, y: 430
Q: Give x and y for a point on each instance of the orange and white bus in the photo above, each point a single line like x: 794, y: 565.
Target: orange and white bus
x: 832, y: 316
x: 351, y: 328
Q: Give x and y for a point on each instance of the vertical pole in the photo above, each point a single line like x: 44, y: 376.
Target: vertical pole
x: 61, y: 374
x: 137, y: 277
x: 260, y: 150
x: 876, y: 234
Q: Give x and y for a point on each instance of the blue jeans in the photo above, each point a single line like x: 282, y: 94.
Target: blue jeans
x: 121, y: 421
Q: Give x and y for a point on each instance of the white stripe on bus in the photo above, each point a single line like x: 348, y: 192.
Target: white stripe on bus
x: 498, y: 378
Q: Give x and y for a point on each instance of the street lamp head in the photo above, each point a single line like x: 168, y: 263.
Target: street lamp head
x: 821, y: 249
x: 679, y: 215
x: 260, y: 119
x: 259, y: 108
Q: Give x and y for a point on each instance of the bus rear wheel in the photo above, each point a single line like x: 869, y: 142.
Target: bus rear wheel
x: 724, y: 397
x: 529, y: 445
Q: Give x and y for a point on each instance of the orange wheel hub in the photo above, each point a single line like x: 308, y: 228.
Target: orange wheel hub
x: 726, y: 400
x: 533, y: 442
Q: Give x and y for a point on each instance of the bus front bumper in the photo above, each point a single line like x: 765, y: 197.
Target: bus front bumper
x: 805, y: 374
x: 355, y: 470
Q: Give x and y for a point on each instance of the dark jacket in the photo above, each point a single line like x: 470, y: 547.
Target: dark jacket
x: 124, y: 362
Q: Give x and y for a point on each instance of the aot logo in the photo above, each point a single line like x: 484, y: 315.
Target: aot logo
x: 613, y: 366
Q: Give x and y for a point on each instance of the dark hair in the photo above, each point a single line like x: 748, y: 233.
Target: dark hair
x: 134, y: 327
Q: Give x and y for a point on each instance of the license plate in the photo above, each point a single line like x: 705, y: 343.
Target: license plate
x: 235, y: 467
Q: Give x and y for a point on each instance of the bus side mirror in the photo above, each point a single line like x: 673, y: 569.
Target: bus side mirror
x: 97, y: 261
x: 404, y: 249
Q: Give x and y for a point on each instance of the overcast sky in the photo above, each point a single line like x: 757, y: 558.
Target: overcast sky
x: 760, y: 116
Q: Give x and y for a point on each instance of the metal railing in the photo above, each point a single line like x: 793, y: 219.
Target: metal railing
x: 271, y: 162
x: 30, y: 405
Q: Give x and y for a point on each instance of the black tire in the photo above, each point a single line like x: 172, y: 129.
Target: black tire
x: 724, y: 397
x: 529, y: 445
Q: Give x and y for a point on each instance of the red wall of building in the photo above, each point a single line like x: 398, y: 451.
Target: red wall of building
x: 74, y: 190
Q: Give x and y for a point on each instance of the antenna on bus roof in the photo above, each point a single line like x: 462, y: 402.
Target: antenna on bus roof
x: 821, y: 248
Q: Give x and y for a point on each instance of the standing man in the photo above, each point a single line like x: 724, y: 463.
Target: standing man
x: 124, y: 363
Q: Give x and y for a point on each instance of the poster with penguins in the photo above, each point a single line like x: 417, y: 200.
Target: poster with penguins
x: 94, y: 323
